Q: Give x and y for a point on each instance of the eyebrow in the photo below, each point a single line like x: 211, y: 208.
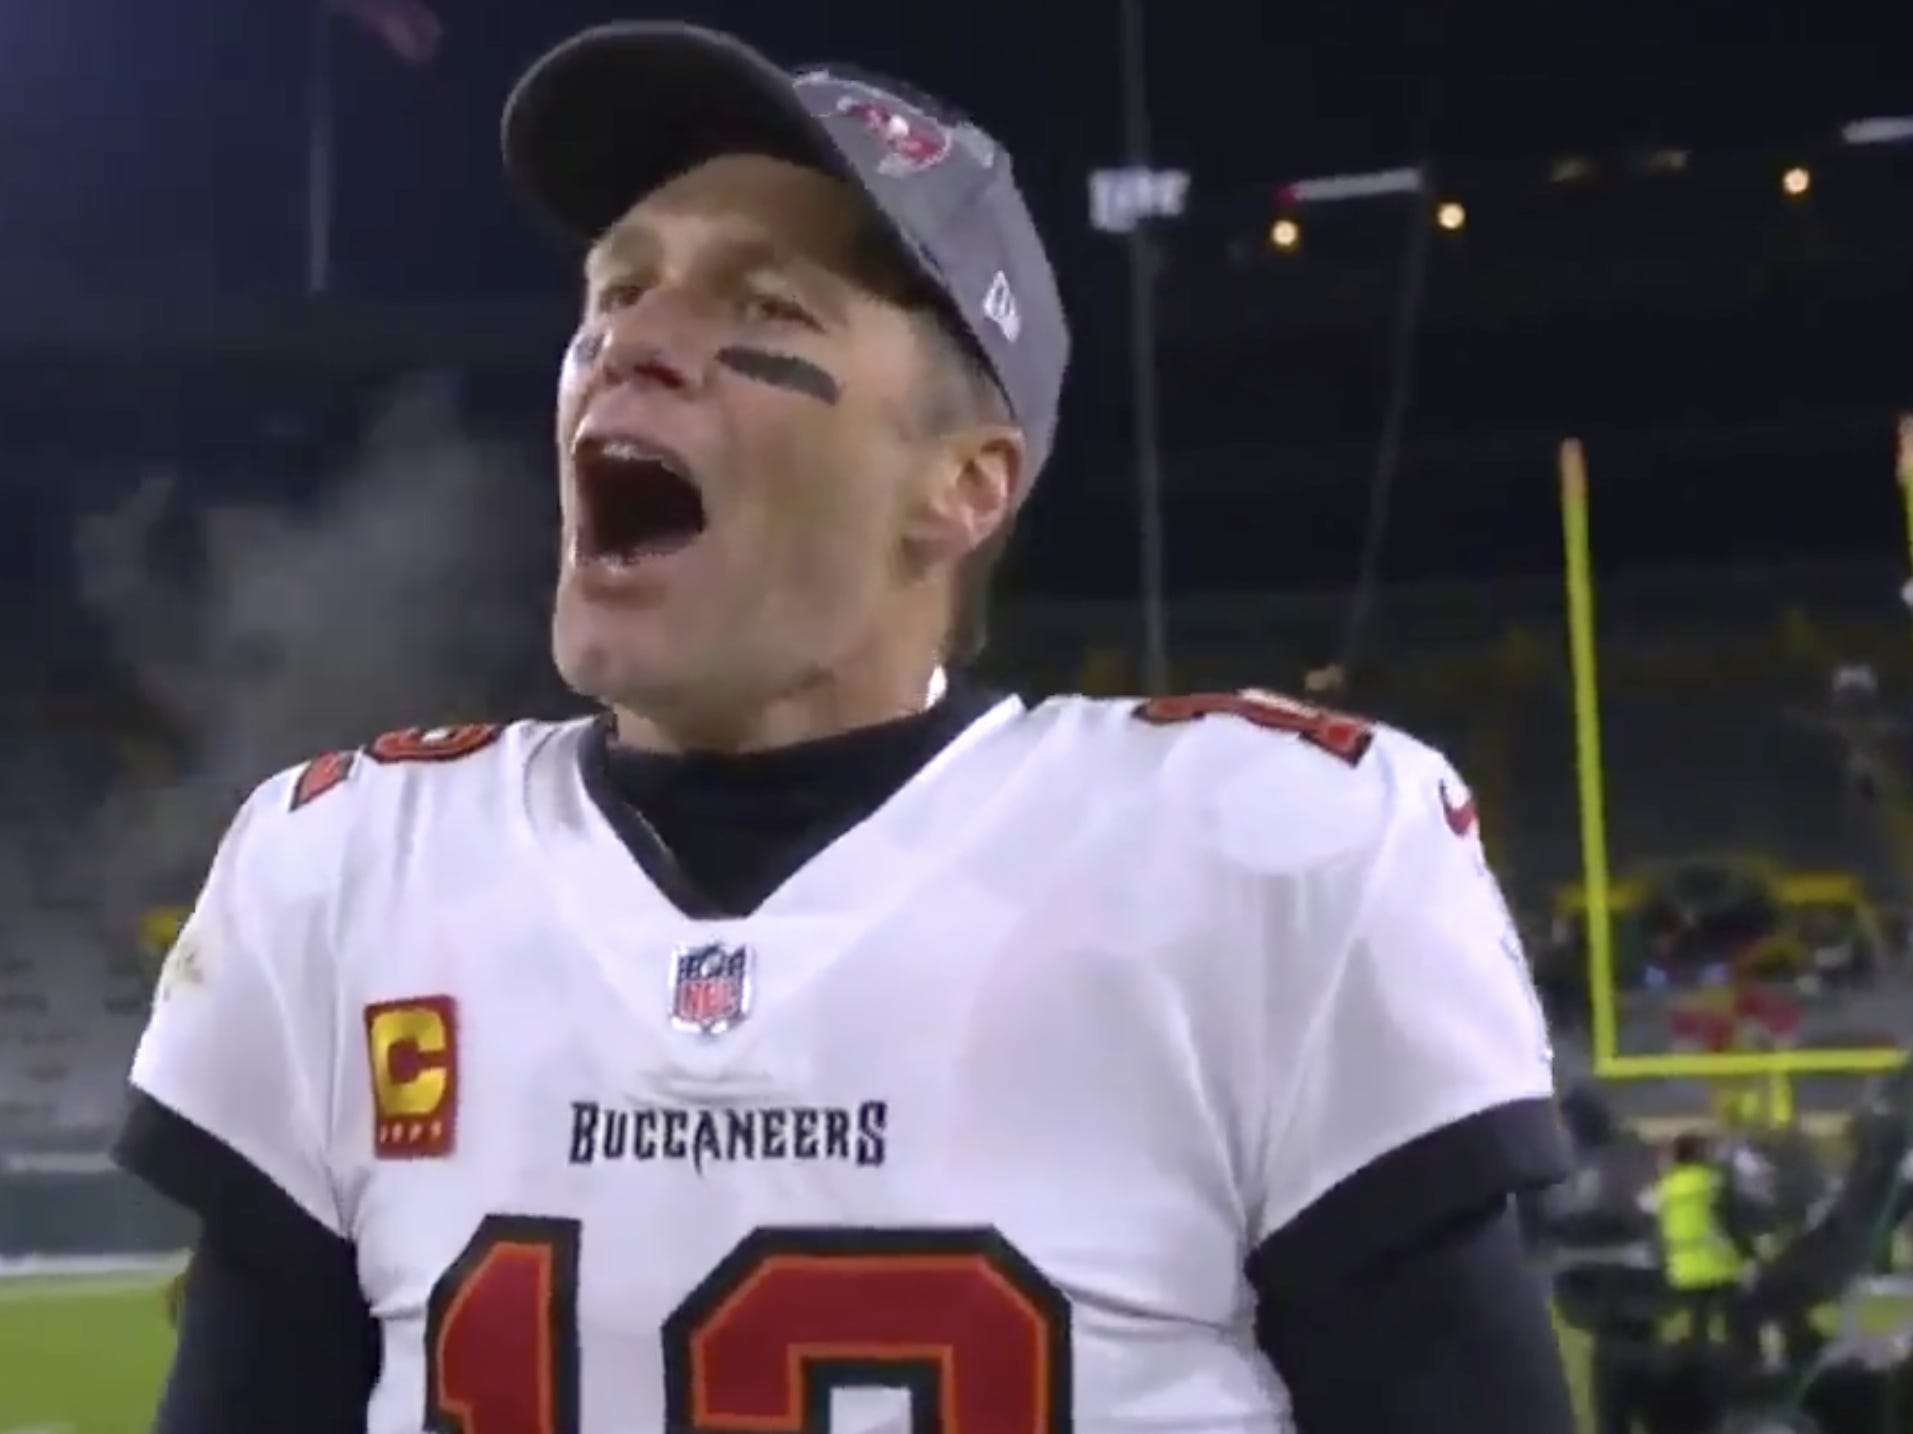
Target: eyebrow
x: 733, y: 255
x: 622, y: 243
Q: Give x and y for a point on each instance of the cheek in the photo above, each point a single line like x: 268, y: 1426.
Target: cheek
x: 580, y: 355
x: 839, y: 518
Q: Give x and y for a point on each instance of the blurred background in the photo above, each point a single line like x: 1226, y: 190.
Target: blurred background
x: 276, y: 359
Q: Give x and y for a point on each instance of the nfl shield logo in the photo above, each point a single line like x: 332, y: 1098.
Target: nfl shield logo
x: 710, y: 988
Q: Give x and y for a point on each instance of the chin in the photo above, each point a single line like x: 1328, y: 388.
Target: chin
x: 615, y: 658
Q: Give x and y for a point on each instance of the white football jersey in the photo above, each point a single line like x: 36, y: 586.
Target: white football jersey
x: 986, y: 1106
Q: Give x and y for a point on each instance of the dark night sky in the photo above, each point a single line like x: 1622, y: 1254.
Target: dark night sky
x: 152, y: 149
x: 160, y: 144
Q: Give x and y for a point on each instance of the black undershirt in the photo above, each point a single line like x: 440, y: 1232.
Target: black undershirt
x: 718, y: 834
x: 1399, y: 1301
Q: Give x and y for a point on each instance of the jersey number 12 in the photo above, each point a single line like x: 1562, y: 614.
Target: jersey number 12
x: 956, y: 1317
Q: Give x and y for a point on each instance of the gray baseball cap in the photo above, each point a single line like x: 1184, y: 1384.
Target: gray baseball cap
x: 615, y: 111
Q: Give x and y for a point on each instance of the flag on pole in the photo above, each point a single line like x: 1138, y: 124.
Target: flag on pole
x: 408, y: 27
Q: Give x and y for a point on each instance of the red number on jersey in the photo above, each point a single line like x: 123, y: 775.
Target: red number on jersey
x: 501, y: 1331
x: 1340, y: 735
x: 434, y: 744
x: 958, y: 1318
x: 320, y: 776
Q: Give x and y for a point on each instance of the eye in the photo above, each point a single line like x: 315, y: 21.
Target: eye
x: 619, y: 295
x: 776, y: 309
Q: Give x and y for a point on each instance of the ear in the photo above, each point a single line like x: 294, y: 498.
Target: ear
x: 971, y: 490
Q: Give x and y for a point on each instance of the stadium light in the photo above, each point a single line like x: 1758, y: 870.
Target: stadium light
x: 1285, y: 234
x: 1451, y: 216
x: 1351, y: 186
x: 1120, y: 199
x: 1796, y: 181
x: 1881, y: 129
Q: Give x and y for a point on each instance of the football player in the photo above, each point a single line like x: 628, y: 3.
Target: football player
x: 815, y: 1041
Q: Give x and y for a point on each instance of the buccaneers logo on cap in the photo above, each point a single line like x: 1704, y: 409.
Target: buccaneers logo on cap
x: 914, y: 141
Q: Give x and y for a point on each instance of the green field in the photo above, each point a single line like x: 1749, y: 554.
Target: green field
x: 81, y: 1354
x: 85, y: 1354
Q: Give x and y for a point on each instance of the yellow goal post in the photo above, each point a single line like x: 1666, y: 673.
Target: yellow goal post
x: 1609, y: 1062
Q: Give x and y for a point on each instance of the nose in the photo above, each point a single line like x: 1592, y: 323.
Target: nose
x: 649, y: 343
x: 633, y: 359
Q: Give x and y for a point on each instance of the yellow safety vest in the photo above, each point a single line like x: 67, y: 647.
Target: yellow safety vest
x: 1699, y: 1253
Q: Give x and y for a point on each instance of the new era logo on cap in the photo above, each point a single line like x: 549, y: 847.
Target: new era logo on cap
x: 999, y: 307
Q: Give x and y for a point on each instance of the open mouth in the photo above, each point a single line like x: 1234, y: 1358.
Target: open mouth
x: 635, y: 501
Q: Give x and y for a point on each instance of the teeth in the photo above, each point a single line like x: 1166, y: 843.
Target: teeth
x: 624, y: 450
x: 611, y: 558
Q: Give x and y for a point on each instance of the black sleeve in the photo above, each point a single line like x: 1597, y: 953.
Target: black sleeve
x: 1403, y: 1300
x: 274, y: 1332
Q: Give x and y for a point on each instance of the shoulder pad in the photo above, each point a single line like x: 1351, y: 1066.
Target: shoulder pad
x: 1282, y: 784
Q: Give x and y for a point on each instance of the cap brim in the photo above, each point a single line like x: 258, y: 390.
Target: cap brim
x: 612, y: 113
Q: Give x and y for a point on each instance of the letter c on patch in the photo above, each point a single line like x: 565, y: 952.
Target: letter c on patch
x: 411, y: 1045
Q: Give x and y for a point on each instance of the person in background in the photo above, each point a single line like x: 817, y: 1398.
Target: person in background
x: 1705, y: 1250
